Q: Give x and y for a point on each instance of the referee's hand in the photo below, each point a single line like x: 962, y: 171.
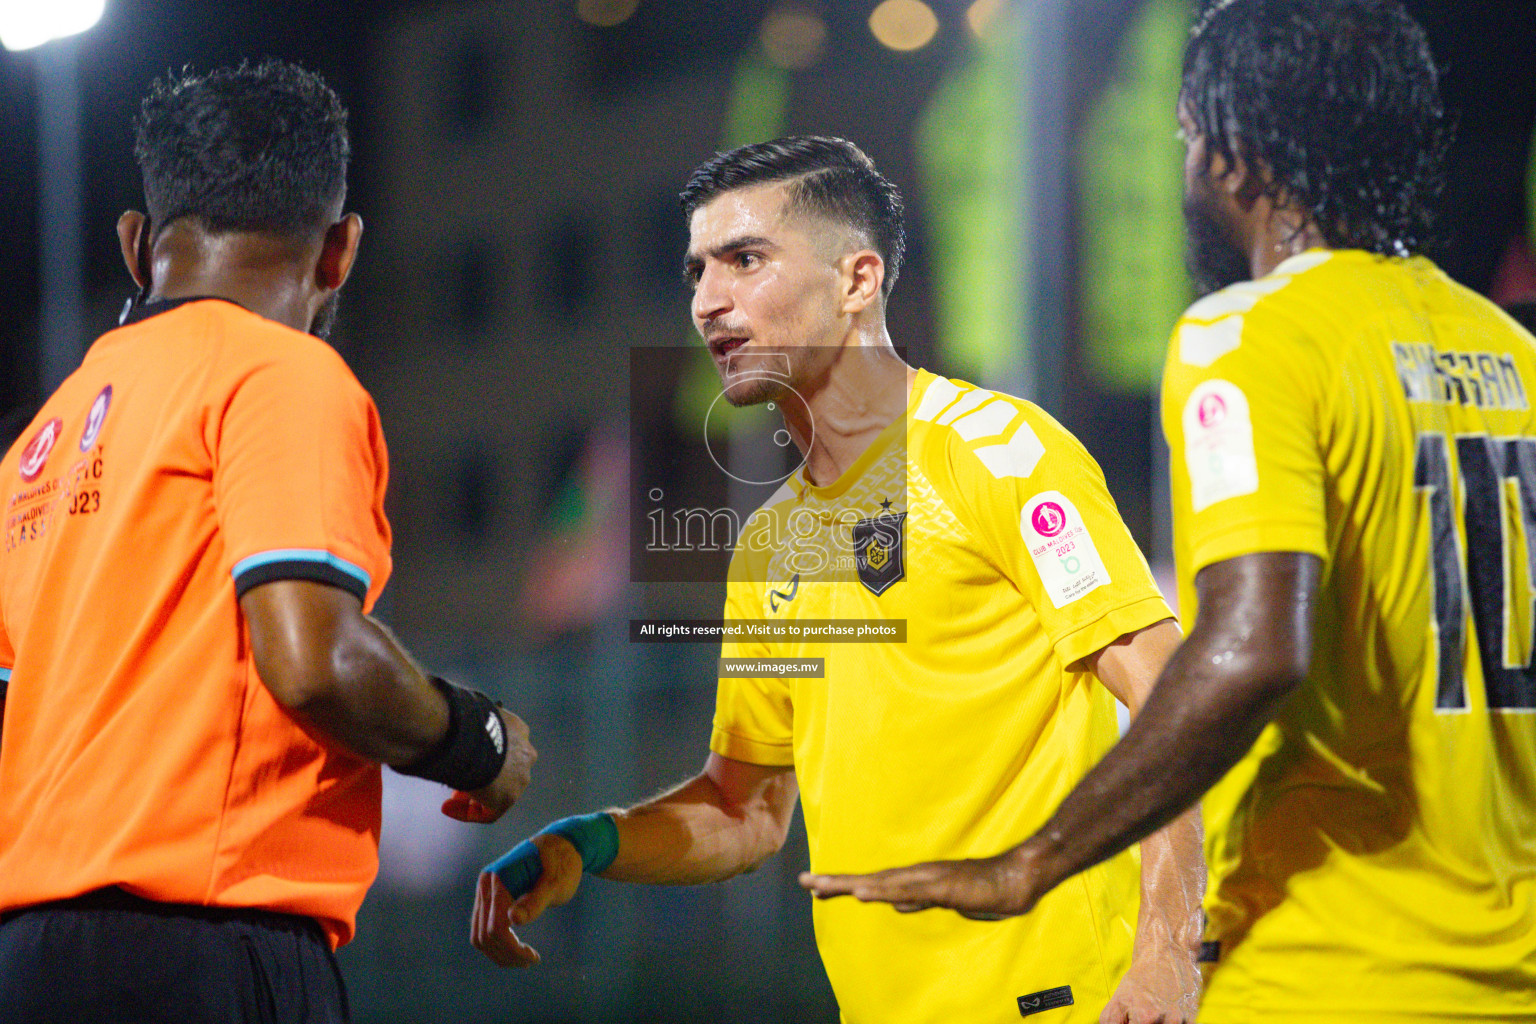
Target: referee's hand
x: 497, y: 912
x: 484, y: 806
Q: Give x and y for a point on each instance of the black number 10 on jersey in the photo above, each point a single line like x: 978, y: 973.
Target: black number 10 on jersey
x: 1489, y: 468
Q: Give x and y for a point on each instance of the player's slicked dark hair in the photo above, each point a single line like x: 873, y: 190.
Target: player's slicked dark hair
x: 1339, y: 99
x: 259, y: 147
x: 829, y: 177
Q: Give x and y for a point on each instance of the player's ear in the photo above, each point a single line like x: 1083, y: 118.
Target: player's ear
x: 130, y: 226
x: 1246, y: 181
x: 338, y: 251
x: 863, y: 273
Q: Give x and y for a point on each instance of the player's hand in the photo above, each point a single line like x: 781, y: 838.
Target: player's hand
x: 497, y: 912
x: 484, y: 806
x: 985, y: 889
x: 1162, y: 987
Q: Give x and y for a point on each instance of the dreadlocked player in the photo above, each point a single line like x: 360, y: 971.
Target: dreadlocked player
x: 1354, y: 486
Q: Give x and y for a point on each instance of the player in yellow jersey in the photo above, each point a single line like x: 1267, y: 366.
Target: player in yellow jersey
x: 1354, y: 485
x: 978, y: 523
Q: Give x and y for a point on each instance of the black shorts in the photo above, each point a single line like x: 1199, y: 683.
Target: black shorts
x: 111, y: 958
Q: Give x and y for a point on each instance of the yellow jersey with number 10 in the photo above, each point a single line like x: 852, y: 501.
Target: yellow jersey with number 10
x: 985, y: 527
x: 1374, y: 855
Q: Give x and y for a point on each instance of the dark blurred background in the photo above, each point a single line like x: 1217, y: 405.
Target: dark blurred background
x: 517, y: 165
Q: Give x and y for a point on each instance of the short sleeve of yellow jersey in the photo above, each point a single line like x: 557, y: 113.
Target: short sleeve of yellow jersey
x: 1037, y: 504
x: 754, y: 718
x: 1242, y: 397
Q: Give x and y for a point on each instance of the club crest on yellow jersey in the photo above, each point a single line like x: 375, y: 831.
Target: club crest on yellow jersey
x: 877, y: 551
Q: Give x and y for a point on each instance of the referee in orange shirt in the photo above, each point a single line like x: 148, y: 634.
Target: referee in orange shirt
x: 194, y: 700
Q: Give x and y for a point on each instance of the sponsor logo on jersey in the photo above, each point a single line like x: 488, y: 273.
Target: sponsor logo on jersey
x: 877, y: 551
x: 96, y: 417
x: 1062, y: 548
x: 35, y: 455
x: 1047, y: 999
x: 786, y: 595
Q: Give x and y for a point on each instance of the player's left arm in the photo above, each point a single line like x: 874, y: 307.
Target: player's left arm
x: 1251, y: 646
x: 1163, y: 982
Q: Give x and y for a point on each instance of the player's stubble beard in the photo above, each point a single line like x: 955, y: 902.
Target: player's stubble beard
x: 1214, y: 260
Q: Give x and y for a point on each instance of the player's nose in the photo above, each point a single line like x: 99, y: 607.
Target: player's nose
x: 711, y: 297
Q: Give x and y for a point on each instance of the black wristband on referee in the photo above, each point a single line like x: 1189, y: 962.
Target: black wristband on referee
x: 472, y: 751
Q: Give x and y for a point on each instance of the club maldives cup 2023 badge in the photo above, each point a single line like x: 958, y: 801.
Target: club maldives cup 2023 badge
x: 35, y: 455
x: 877, y: 551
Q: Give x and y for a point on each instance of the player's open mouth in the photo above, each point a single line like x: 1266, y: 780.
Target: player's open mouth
x: 723, y: 347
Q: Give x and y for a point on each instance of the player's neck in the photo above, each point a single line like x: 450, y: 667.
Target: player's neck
x: 863, y: 391
x: 1277, y: 236
x: 265, y: 275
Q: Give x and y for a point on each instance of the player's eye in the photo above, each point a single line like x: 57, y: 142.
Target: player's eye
x: 748, y: 260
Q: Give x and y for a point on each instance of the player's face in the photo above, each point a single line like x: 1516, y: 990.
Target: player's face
x: 765, y: 293
x: 1214, y: 258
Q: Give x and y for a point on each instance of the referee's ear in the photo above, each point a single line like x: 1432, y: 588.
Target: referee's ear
x: 129, y: 226
x: 338, y: 252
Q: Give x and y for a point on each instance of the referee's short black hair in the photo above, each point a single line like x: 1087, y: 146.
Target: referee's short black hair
x: 1339, y: 99
x: 258, y: 147
x: 829, y: 177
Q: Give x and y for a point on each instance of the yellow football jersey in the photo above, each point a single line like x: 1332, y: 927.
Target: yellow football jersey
x: 987, y: 528
x: 1374, y: 856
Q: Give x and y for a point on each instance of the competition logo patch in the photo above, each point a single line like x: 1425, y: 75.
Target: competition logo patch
x: 97, y: 416
x: 877, y: 551
x: 35, y: 455
x: 1061, y: 547
x: 1049, y: 519
x: 1218, y: 444
x: 1211, y: 411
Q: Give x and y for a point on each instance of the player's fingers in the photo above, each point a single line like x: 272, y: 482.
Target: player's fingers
x: 493, y: 933
x: 828, y: 886
x: 1115, y: 1013
x: 480, y: 917
x: 917, y: 887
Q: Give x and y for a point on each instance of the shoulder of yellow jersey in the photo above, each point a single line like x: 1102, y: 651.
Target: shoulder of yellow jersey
x: 973, y: 436
x: 1277, y: 306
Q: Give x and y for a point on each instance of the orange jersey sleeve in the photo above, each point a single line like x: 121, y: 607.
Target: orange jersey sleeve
x: 299, y: 476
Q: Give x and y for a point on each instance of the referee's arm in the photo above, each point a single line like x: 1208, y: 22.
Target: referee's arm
x: 343, y: 673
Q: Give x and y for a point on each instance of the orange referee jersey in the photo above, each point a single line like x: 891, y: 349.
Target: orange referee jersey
x: 197, y: 452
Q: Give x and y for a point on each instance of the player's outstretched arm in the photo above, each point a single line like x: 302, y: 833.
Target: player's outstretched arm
x: 724, y: 821
x: 345, y: 675
x: 1251, y: 647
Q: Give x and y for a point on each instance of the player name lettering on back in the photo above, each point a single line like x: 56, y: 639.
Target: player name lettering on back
x: 1483, y: 380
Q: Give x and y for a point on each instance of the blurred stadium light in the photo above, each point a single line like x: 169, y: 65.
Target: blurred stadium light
x: 25, y: 24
